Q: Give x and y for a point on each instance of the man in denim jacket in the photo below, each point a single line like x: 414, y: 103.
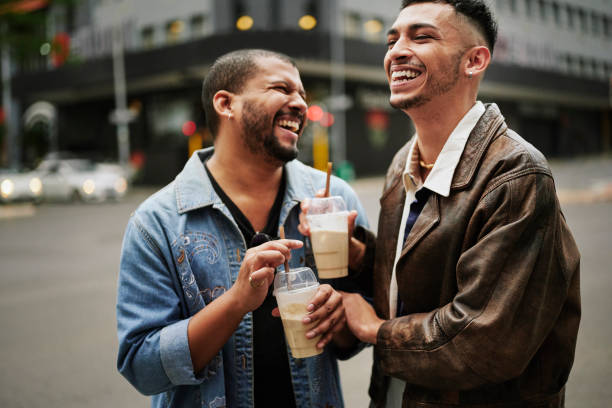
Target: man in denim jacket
x: 194, y: 306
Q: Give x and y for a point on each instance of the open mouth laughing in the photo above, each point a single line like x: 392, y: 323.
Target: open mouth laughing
x: 290, y: 122
x: 403, y: 76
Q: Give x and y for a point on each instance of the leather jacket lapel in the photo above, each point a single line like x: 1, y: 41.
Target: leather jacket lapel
x: 392, y: 206
x: 427, y: 220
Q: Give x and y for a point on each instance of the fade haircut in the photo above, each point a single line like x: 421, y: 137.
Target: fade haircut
x: 477, y: 13
x: 230, y: 72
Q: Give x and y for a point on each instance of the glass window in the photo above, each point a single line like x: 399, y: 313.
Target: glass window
x: 543, y: 8
x: 570, y: 18
x: 600, y: 69
x: 197, y: 25
x: 352, y: 25
x: 500, y: 5
x: 595, y: 24
x: 566, y: 63
x: 583, y: 67
x: 147, y: 36
x: 582, y: 17
x: 174, y: 31
x: 513, y: 6
x: 529, y: 8
x: 556, y: 11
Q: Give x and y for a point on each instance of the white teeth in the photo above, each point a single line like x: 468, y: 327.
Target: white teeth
x: 289, y: 124
x: 407, y: 73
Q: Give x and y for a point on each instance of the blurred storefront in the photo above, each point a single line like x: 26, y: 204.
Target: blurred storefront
x: 551, y: 75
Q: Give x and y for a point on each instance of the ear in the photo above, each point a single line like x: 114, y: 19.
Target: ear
x: 478, y: 59
x: 222, y: 102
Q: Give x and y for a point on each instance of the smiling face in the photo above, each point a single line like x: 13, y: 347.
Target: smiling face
x: 272, y: 110
x: 426, y: 45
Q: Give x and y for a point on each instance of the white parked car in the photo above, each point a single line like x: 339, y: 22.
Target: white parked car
x: 79, y: 180
x: 15, y: 187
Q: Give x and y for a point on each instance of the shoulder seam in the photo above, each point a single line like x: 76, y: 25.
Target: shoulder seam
x: 498, y: 181
x: 147, y: 237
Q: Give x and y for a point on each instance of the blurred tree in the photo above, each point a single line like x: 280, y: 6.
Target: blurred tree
x: 24, y: 27
x: 23, y: 30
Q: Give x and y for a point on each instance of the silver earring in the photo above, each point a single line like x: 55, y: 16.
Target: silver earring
x: 229, y: 116
x: 470, y: 75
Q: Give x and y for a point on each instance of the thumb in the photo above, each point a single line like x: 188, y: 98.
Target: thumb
x: 276, y: 312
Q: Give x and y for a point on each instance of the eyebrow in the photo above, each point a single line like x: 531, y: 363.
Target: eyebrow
x: 413, y: 27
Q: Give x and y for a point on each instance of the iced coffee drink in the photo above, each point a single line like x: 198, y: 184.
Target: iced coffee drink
x: 327, y: 218
x: 294, y: 292
x: 295, y: 331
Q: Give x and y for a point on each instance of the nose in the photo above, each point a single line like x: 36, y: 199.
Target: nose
x: 297, y: 103
x: 399, y: 51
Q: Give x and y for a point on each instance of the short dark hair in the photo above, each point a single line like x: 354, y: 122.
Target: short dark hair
x: 230, y: 72
x: 477, y: 12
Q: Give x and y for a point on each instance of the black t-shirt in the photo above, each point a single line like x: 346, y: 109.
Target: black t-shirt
x: 273, y: 385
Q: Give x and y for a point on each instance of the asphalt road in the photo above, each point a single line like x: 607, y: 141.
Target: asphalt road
x: 58, y: 271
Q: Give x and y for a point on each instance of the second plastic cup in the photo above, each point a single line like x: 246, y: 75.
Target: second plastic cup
x: 294, y: 292
x: 327, y: 217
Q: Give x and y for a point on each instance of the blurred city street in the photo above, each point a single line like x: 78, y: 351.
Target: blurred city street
x: 58, y: 275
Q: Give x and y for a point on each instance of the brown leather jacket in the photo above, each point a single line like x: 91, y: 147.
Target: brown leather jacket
x: 489, y: 280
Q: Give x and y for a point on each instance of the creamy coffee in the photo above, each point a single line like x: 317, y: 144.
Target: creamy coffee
x: 331, y: 252
x: 295, y: 331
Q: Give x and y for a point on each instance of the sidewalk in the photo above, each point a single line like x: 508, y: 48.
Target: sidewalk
x: 583, y: 180
x: 579, y: 181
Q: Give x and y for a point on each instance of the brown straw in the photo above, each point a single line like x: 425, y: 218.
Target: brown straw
x: 329, y: 170
x: 281, y: 234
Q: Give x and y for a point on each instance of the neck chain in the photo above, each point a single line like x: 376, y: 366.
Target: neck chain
x: 427, y: 166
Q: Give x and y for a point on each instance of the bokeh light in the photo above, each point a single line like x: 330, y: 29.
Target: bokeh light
x: 244, y: 23
x: 307, y: 22
x: 314, y: 113
x: 373, y: 26
x: 189, y: 128
x: 45, y: 49
x: 327, y: 119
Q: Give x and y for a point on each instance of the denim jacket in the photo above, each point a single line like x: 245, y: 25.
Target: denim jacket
x: 182, y: 249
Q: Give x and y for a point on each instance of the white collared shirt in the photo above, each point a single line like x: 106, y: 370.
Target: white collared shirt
x: 438, y: 181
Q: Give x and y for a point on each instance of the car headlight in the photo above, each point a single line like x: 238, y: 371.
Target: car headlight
x: 89, y: 186
x: 35, y: 186
x: 6, y: 188
x: 121, y: 185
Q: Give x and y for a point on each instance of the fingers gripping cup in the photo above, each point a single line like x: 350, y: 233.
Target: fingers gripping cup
x: 327, y: 217
x: 294, y: 290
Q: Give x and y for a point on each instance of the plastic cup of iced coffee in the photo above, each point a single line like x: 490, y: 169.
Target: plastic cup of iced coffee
x: 327, y: 218
x: 294, y: 291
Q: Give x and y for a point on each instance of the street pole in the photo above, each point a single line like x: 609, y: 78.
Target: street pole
x: 123, y: 130
x: 7, y: 104
x: 336, y: 33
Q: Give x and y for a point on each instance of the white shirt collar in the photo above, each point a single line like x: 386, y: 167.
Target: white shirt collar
x: 441, y: 176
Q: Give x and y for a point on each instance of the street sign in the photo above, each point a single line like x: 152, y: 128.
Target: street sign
x: 121, y: 116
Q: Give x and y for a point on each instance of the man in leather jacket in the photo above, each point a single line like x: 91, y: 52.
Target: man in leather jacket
x: 476, y: 275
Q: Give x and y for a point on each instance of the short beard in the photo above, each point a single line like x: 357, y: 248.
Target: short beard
x: 434, y: 89
x: 258, y: 135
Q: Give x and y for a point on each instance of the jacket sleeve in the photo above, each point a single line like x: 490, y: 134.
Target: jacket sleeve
x: 153, y: 348
x: 512, y: 282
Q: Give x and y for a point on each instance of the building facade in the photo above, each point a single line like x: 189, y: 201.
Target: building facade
x: 550, y: 74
